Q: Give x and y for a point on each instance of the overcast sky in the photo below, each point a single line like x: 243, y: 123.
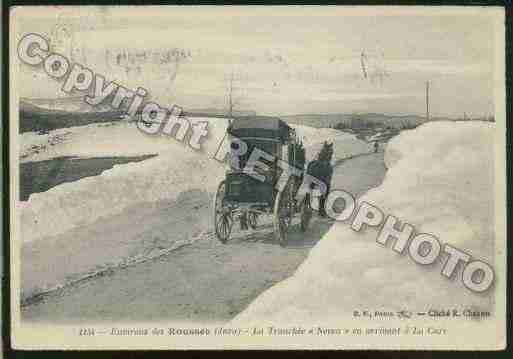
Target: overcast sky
x: 284, y: 60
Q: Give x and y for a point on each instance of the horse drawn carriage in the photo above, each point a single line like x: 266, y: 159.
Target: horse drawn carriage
x: 250, y: 191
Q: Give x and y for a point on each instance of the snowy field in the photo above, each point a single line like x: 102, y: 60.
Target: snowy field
x: 440, y: 180
x: 177, y: 169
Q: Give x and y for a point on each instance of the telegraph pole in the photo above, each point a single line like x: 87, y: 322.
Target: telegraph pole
x: 427, y: 100
x: 230, y: 98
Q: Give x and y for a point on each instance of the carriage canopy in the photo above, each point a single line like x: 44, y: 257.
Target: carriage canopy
x: 260, y: 127
x: 243, y: 196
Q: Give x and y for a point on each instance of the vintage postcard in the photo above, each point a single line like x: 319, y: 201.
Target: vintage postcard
x: 210, y: 177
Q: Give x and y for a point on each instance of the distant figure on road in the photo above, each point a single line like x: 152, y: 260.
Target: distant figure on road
x: 376, y: 146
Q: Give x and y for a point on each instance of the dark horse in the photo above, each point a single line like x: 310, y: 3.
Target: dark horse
x: 322, y: 170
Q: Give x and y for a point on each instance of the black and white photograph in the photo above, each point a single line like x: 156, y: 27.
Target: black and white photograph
x: 257, y: 177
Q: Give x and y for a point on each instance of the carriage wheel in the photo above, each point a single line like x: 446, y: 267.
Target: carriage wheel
x: 283, y: 210
x: 306, y: 213
x: 222, y: 218
x: 252, y: 220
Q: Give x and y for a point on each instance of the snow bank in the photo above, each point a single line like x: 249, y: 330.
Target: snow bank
x: 175, y: 170
x: 440, y: 180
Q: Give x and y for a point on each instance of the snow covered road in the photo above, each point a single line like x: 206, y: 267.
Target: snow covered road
x: 199, y: 280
